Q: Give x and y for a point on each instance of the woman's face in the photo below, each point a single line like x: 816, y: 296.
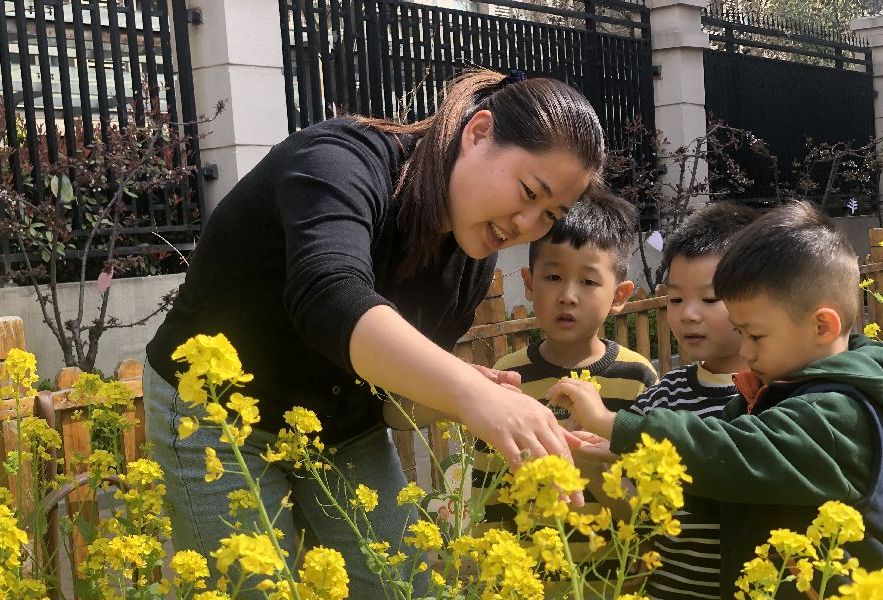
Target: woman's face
x: 501, y: 196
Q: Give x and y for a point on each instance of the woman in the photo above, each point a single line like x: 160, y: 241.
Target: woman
x: 359, y: 249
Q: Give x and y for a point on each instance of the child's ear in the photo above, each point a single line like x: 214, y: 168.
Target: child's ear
x: 527, y: 278
x: 621, y: 295
x: 827, y: 324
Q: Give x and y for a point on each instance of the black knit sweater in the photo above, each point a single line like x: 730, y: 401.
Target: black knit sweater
x: 295, y: 254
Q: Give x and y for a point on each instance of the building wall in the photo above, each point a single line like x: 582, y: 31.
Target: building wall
x: 130, y: 300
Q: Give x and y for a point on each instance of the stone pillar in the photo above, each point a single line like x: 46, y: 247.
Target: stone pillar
x: 678, y: 43
x: 236, y: 54
x: 871, y: 28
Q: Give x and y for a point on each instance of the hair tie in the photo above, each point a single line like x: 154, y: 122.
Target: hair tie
x: 514, y: 76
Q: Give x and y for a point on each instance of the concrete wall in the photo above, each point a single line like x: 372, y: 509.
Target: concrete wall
x: 130, y: 300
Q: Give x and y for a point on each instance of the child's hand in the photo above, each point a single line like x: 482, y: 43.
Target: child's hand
x: 593, y: 449
x: 509, y: 379
x: 583, y: 401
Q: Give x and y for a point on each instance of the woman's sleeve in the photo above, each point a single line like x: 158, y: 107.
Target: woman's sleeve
x: 332, y: 197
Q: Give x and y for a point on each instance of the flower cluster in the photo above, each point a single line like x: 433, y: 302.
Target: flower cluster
x: 295, y: 445
x: 20, y: 369
x: 585, y: 375
x: 12, y: 538
x: 506, y: 569
x: 790, y: 557
x: 539, y: 488
x: 658, y: 475
x: 323, y: 576
x: 107, y: 404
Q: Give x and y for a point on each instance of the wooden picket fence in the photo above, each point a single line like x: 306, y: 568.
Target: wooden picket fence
x: 60, y: 411
x: 492, y: 336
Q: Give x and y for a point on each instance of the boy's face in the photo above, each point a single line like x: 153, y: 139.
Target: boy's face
x: 773, y: 342
x: 698, y: 318
x: 573, y: 291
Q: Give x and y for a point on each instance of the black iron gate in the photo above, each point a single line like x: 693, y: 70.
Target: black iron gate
x: 388, y: 58
x: 786, y: 82
x: 72, y: 70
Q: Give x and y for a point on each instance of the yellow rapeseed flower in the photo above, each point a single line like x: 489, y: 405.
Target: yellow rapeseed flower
x: 539, y: 487
x: 652, y: 560
x: 187, y: 427
x: 866, y: 283
x: 323, y: 576
x: 548, y: 547
x: 872, y: 330
x: 427, y: 536
x: 303, y: 420
x: 788, y: 544
x: 213, y: 466
x: 804, y: 575
x: 191, y: 388
x: 585, y: 375
x: 837, y: 522
x: 410, y: 494
x: 190, y: 567
x: 246, y: 406
x: 215, y: 413
x: 241, y: 500
x: 21, y: 368
x: 864, y: 586
x: 255, y: 554
x: 213, y: 595
x: 214, y: 358
x: 366, y: 498
x: 759, y: 576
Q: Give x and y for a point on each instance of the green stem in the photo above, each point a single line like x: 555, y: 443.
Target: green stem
x: 352, y: 525
x: 826, y: 570
x: 624, y: 557
x: 784, y: 566
x: 262, y: 511
x: 423, y: 439
x: 575, y: 578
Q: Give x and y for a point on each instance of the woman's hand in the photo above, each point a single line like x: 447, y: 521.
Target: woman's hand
x: 583, y: 401
x: 388, y: 352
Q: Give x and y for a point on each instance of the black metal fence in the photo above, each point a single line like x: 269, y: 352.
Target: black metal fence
x: 786, y: 82
x: 388, y: 58
x: 72, y: 70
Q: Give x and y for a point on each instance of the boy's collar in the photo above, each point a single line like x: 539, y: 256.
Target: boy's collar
x: 750, y: 386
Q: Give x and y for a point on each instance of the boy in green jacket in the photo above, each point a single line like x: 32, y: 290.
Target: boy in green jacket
x: 806, y: 427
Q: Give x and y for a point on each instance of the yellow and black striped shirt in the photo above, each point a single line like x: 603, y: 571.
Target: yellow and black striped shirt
x: 623, y: 375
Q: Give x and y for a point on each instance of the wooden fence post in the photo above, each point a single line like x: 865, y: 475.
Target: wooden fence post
x: 12, y: 335
x: 520, y: 340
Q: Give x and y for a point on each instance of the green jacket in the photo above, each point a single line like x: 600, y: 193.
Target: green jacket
x: 774, y: 467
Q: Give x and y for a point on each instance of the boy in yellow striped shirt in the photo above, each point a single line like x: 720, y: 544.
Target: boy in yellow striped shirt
x: 576, y: 278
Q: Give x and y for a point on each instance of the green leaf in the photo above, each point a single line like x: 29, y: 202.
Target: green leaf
x: 53, y: 185
x: 44, y: 254
x: 130, y: 193
x: 84, y: 589
x: 67, y: 190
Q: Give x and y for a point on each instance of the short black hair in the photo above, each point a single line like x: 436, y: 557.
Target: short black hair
x: 708, y: 231
x: 795, y: 255
x: 603, y: 220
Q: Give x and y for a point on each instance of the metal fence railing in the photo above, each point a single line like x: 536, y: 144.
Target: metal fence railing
x: 74, y: 71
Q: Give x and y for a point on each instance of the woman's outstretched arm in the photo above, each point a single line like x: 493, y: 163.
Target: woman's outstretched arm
x: 388, y: 352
